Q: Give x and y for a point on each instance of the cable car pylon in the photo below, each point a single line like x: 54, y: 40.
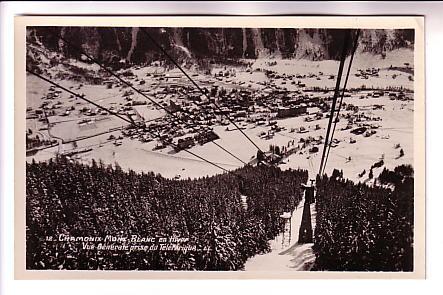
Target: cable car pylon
x: 306, y: 231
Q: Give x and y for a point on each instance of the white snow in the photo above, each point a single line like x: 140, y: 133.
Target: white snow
x: 295, y: 256
x: 396, y: 127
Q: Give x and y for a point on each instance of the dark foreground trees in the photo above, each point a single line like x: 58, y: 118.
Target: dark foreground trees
x: 72, y: 199
x: 362, y: 228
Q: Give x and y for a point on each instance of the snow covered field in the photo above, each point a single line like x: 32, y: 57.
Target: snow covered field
x: 395, y: 127
x: 295, y: 256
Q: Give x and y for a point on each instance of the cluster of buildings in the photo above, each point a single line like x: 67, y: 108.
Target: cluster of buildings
x: 190, y: 115
x: 366, y: 73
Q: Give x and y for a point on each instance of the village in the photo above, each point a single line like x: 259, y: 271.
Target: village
x: 262, y: 100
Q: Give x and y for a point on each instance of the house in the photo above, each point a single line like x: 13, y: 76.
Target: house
x: 184, y: 143
x: 285, y: 112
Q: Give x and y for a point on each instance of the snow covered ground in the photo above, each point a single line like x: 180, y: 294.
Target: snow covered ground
x: 395, y: 129
x: 295, y: 256
x: 396, y: 125
x: 396, y: 58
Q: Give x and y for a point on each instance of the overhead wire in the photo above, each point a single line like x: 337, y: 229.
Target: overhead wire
x: 133, y: 88
x: 327, y: 146
x: 342, y: 96
x: 131, y: 122
x: 195, y: 84
x: 336, y: 92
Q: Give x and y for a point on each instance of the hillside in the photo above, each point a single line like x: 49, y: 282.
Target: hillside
x: 130, y: 45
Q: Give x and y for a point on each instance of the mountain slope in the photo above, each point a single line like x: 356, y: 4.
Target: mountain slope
x: 129, y: 45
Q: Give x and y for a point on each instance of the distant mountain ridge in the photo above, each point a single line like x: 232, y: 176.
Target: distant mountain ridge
x: 129, y: 45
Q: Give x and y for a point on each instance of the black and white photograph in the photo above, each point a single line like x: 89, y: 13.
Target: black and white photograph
x: 247, y: 147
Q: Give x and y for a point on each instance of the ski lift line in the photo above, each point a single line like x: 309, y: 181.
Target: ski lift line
x: 125, y: 119
x: 342, y: 96
x: 336, y: 93
x: 78, y: 95
x: 346, y: 82
x: 184, y: 158
x: 195, y: 84
x: 85, y: 117
x: 126, y: 83
x: 234, y: 156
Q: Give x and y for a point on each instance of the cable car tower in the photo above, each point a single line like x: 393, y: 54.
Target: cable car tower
x: 306, y: 232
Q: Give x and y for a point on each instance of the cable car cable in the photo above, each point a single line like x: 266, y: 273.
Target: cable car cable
x: 135, y: 89
x: 195, y: 84
x: 342, y: 95
x: 336, y: 92
x: 131, y: 122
